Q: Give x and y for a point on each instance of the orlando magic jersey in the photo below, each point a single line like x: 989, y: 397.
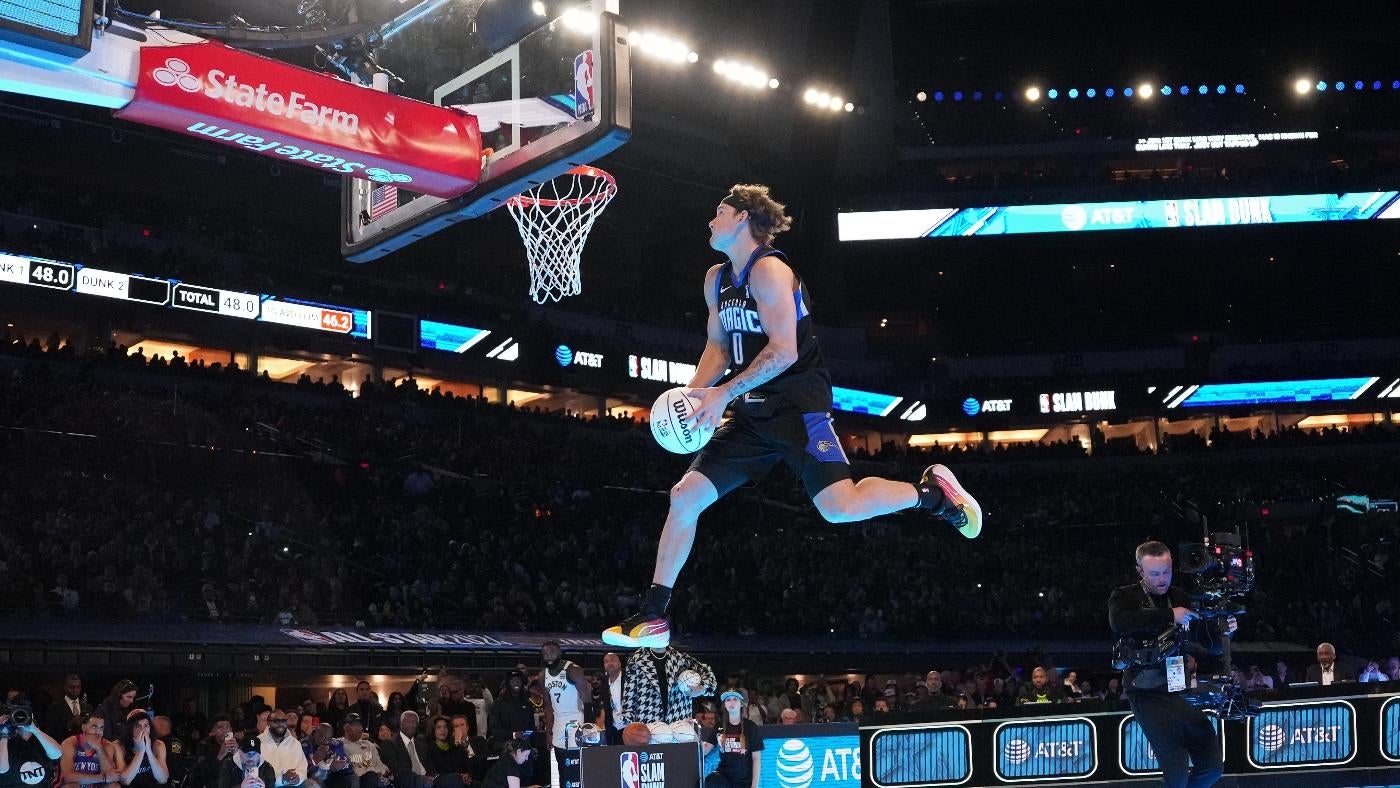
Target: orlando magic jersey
x: 564, y: 701
x: 805, y: 384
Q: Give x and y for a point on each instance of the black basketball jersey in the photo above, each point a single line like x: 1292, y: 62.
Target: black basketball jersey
x: 806, y: 383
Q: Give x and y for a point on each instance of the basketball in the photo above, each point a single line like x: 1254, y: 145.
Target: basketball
x: 668, y: 417
x: 636, y: 734
x: 692, y: 683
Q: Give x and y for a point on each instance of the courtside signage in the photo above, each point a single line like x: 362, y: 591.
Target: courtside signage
x: 1288, y: 735
x: 795, y: 759
x: 920, y: 756
x: 1135, y: 753
x: 1390, y: 729
x: 291, y: 114
x: 1045, y: 750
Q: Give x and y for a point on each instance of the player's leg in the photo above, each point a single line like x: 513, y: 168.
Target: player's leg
x: 815, y: 453
x: 735, y: 454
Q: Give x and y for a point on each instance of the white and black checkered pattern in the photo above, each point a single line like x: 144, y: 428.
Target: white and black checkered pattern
x: 641, y: 692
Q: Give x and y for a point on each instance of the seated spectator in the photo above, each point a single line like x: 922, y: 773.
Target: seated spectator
x: 404, y: 754
x: 246, y: 766
x: 1039, y: 690
x: 369, y: 769
x: 213, y: 751
x: 179, y: 755
x: 507, y: 771
x: 336, y: 709
x: 474, y: 746
x: 327, y: 763
x: 1327, y: 671
x: 281, y: 751
x: 445, y: 761
x: 84, y: 759
x: 138, y: 756
x: 791, y: 717
x: 1372, y: 673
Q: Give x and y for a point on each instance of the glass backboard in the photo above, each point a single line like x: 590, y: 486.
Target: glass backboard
x: 550, y: 92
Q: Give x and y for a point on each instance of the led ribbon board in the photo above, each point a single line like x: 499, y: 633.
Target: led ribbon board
x: 921, y: 756
x: 1138, y: 215
x: 449, y: 337
x: 1272, y: 392
x: 802, y: 761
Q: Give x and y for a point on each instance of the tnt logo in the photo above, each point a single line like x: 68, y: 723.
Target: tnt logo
x: 1018, y: 751
x: 32, y: 773
x: 631, y: 769
x: 176, y: 72
x: 307, y: 636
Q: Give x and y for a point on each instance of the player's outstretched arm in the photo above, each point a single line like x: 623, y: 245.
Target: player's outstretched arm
x: 714, y: 360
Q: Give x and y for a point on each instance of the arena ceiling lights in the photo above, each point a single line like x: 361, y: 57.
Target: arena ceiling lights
x: 1036, y: 94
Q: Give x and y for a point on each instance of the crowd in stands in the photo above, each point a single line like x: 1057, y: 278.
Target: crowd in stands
x: 158, y: 490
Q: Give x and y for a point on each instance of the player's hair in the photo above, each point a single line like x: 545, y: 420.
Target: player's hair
x: 766, y: 217
x: 1154, y: 549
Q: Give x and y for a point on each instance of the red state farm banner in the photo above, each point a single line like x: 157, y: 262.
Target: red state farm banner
x: 291, y: 114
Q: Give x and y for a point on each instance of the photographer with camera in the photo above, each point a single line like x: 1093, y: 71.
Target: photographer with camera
x: 28, y: 756
x: 1156, y: 627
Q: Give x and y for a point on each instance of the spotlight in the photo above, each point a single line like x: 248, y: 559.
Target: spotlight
x: 1052, y: 94
x: 957, y: 95
x: 1302, y: 86
x: 998, y: 96
x: 823, y: 98
x: 836, y: 104
x: 720, y: 66
x: 1239, y: 88
x: 1321, y: 86
x: 849, y: 107
x: 976, y: 95
x: 938, y: 96
x: 1145, y: 90
x: 1108, y: 93
x: 1090, y: 93
x: 1340, y: 85
x: 1127, y: 92
x: 1395, y: 85
x: 1376, y: 85
x: 773, y: 83
x: 693, y: 57
x: 1359, y: 85
x: 538, y: 8
x: 634, y: 37
x: 1220, y: 90
x: 1032, y: 94
x: 1166, y: 90
x: 1203, y: 90
x: 810, y: 96
x: 1073, y: 93
x: 921, y: 96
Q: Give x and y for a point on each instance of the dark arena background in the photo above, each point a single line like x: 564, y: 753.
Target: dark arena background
x: 284, y: 438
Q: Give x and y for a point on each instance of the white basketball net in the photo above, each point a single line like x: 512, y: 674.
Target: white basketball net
x: 554, y: 220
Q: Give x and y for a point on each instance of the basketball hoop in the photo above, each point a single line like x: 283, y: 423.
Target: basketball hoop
x: 554, y: 219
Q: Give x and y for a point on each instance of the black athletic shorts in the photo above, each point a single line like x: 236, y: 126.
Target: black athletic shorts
x: 746, y: 447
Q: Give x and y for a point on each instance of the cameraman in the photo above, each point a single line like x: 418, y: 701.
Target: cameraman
x: 28, y: 756
x: 1139, y: 614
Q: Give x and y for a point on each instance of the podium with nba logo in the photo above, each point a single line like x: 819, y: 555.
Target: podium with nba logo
x: 652, y: 766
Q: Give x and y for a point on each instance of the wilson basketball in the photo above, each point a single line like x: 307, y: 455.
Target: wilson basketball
x: 636, y: 734
x: 668, y: 417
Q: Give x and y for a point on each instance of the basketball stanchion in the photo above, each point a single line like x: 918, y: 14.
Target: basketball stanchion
x: 554, y: 219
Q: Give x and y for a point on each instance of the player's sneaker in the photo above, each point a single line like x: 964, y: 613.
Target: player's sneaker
x: 959, y: 507
x: 644, y: 630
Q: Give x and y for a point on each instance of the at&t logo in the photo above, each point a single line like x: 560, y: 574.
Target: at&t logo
x: 564, y: 355
x: 971, y: 406
x: 176, y: 73
x: 1018, y: 751
x: 1272, y: 737
x: 794, y: 764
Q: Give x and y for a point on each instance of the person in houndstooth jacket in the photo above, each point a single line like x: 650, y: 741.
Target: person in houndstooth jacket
x: 651, y: 686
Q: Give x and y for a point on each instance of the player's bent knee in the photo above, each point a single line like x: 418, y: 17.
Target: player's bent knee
x: 837, y: 511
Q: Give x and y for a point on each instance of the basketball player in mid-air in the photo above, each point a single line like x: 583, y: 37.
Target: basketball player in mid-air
x: 760, y: 329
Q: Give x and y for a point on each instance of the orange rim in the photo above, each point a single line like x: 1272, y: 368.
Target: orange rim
x: 609, y: 189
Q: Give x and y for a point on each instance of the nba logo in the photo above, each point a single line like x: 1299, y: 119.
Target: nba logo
x: 631, y: 770
x: 307, y: 636
x: 583, y: 84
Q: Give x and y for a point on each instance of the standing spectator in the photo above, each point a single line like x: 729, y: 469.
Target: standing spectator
x: 456, y: 703
x: 28, y: 757
x: 653, y: 692
x: 336, y: 708
x: 511, y: 714
x: 739, y: 743
x: 369, y: 768
x: 84, y: 759
x: 395, y: 707
x: 481, y: 699
x: 1327, y: 672
x: 115, y: 708
x: 138, y: 756
x: 179, y: 754
x: 61, y: 713
x: 611, y: 703
x: 366, y: 704
x: 403, y: 754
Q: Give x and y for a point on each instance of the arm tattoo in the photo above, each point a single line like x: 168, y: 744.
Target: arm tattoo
x: 765, y: 366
